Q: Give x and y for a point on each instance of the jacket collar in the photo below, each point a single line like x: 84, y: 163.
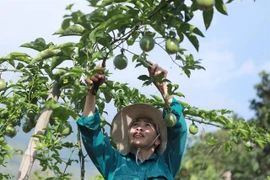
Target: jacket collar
x: 131, y: 155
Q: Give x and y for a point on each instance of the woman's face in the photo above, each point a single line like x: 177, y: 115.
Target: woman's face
x: 142, y: 133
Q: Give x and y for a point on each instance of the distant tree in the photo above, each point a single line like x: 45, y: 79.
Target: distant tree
x: 206, y: 159
x: 261, y: 106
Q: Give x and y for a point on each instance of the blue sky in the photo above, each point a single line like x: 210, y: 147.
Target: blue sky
x: 236, y: 48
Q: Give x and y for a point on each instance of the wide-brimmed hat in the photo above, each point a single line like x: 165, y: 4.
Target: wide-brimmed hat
x: 123, y: 119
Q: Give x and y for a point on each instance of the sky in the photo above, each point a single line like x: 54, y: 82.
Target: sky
x: 235, y: 49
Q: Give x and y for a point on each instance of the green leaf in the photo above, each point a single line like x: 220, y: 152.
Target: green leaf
x: 196, y: 31
x: 108, y: 96
x: 146, y: 83
x: 225, y: 111
x: 229, y: 1
x: 77, y: 69
x: 68, y: 7
x: 56, y: 61
x: 39, y: 136
x: 39, y: 44
x: 244, y: 132
x: 17, y: 56
x: 186, y: 71
x: 52, y: 104
x: 20, y: 66
x: 67, y: 145
x: 45, y: 54
x: 259, y: 142
x: 221, y: 7
x: 8, y: 156
x: 220, y: 119
x: 186, y: 27
x: 94, y: 2
x: 133, y: 38
x: 228, y: 147
x: 193, y: 39
x: 143, y: 77
x: 74, y: 30
x: 208, y: 17
x: 211, y: 141
x: 66, y: 23
x: 179, y: 94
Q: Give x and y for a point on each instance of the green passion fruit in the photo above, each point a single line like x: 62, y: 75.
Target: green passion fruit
x: 3, y: 84
x: 26, y: 127
x: 65, y: 129
x: 193, y: 129
x: 2, y: 139
x: 10, y: 131
x: 205, y: 5
x: 248, y: 144
x: 120, y: 61
x: 147, y: 43
x: 170, y: 119
x: 172, y: 46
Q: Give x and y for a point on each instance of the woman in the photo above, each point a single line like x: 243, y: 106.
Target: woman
x: 146, y: 148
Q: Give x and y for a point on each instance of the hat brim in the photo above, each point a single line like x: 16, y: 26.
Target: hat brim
x: 123, y: 119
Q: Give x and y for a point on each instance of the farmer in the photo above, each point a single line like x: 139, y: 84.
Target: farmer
x: 146, y: 148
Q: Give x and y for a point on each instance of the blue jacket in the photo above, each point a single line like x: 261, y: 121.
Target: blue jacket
x: 114, y: 165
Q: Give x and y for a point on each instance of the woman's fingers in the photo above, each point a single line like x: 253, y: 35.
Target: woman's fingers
x: 152, y: 69
x: 95, y: 78
x: 156, y: 70
x: 101, y: 79
x: 88, y: 81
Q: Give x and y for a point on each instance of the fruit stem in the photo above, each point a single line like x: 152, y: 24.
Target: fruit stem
x: 202, y: 121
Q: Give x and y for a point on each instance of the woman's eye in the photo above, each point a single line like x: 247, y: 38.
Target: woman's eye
x: 135, y: 124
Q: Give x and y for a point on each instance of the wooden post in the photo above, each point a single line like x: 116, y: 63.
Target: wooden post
x: 43, y: 120
x: 227, y: 175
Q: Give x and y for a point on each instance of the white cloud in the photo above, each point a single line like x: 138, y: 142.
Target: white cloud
x: 246, y: 68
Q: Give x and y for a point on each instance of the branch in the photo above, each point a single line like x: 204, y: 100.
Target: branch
x: 202, y: 121
x: 129, y: 33
x: 169, y: 56
x: 10, y: 70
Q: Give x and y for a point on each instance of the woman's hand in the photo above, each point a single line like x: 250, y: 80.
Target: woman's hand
x: 96, y: 80
x: 155, y: 70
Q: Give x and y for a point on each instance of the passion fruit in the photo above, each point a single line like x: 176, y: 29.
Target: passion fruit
x: 147, y: 43
x: 205, y: 5
x: 10, y: 131
x: 170, y: 119
x: 26, y: 127
x: 172, y: 46
x: 193, y: 129
x: 3, y: 84
x: 65, y: 129
x: 120, y: 61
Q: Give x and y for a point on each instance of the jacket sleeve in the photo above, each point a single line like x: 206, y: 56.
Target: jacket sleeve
x: 177, y: 136
x: 96, y: 144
